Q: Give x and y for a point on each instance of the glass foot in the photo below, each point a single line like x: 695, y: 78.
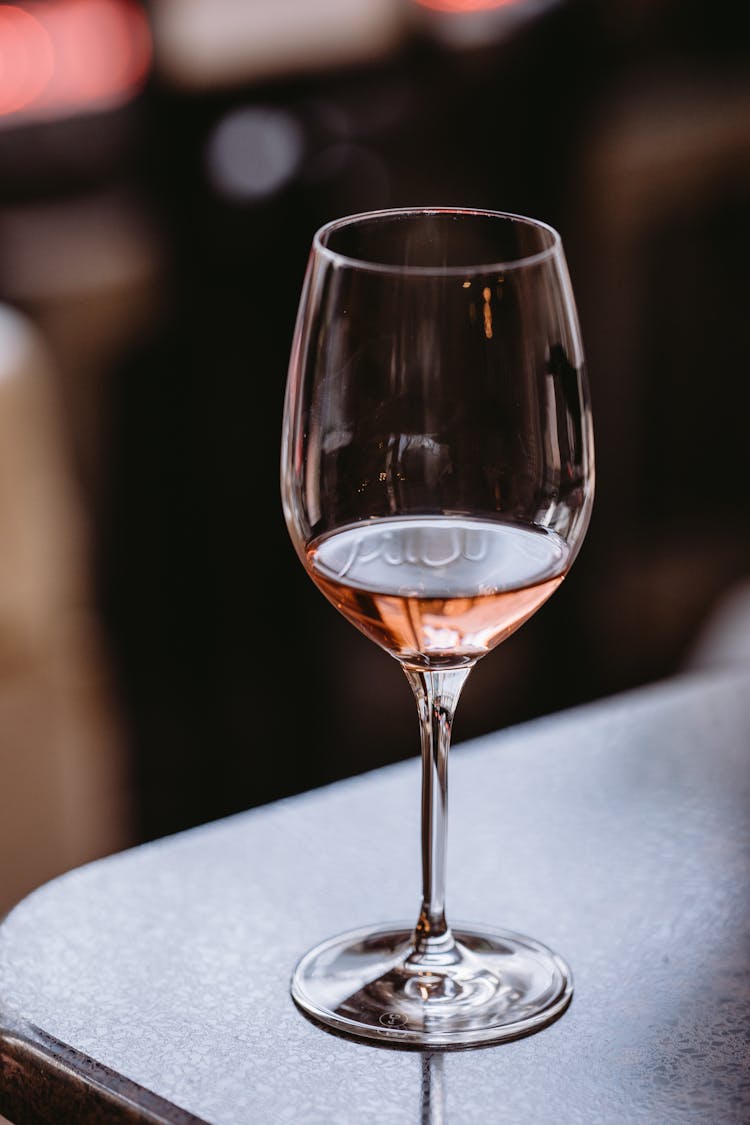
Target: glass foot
x: 474, y: 986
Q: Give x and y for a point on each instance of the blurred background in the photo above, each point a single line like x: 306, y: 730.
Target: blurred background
x: 164, y: 660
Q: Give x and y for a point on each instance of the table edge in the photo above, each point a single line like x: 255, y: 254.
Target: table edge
x: 69, y: 1087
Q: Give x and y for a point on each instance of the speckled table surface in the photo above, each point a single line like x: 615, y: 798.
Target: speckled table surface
x: 154, y: 985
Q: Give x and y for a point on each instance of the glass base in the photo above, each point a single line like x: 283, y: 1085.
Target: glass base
x: 474, y: 987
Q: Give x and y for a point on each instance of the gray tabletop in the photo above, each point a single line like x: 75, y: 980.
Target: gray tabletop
x: 154, y: 985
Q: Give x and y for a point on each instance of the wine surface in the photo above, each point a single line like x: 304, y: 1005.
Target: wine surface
x: 440, y: 591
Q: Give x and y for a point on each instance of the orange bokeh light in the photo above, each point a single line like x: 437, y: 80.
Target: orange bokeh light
x: 62, y: 57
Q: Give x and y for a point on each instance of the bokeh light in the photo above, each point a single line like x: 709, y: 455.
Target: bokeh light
x: 65, y: 57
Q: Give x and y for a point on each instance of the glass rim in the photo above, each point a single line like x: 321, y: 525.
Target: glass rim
x: 336, y: 258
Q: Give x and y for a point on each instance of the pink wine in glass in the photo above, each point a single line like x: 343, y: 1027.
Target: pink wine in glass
x: 437, y: 478
x: 438, y: 591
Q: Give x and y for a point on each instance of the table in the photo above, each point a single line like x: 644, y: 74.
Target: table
x: 152, y: 986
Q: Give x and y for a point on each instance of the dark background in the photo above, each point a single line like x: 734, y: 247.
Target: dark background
x: 625, y: 125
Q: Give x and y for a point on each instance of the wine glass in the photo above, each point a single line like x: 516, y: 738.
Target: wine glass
x: 437, y: 480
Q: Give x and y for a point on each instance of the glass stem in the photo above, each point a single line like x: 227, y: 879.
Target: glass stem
x: 437, y: 695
